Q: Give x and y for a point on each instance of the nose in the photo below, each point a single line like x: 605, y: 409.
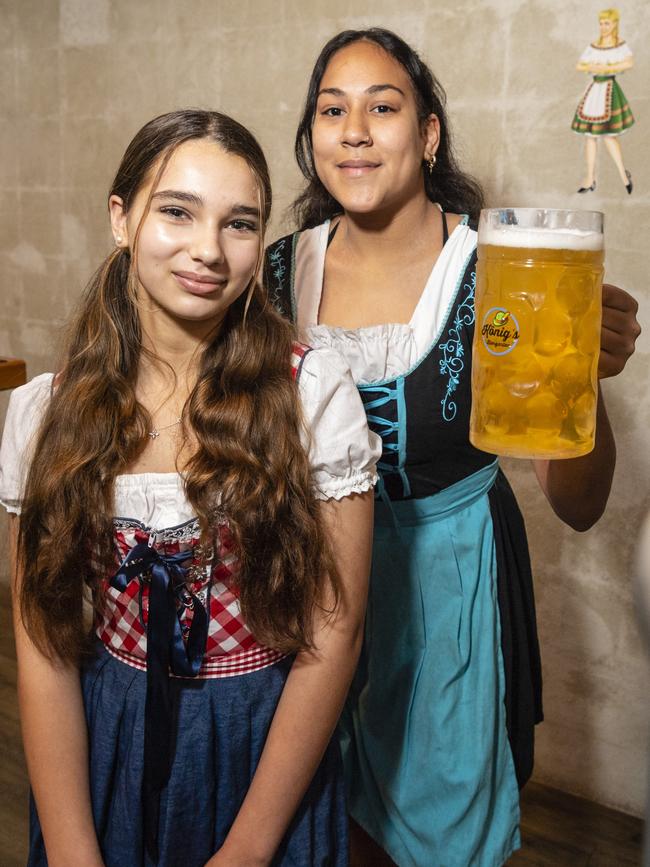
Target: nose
x: 356, y: 130
x: 206, y: 245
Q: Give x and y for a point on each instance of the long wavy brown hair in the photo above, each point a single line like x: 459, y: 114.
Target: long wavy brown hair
x: 243, y: 414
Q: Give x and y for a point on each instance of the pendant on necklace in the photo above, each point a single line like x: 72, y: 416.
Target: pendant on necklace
x: 156, y: 431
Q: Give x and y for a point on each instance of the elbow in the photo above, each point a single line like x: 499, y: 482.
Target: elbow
x: 352, y: 638
x: 582, y: 509
x: 351, y: 651
x: 354, y: 631
x: 341, y: 636
x: 581, y: 525
x: 580, y: 498
x: 584, y: 518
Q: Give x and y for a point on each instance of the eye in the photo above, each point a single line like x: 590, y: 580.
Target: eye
x: 382, y: 109
x: 243, y: 225
x: 332, y: 111
x: 174, y: 212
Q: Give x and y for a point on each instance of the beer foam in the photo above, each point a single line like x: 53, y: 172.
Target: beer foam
x: 526, y: 236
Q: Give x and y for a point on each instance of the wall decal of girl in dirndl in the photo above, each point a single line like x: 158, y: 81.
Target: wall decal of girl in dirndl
x: 603, y: 112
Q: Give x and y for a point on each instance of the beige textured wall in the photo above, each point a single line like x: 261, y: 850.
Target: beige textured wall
x: 78, y: 78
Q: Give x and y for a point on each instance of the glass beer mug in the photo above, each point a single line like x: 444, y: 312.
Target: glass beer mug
x: 537, y: 333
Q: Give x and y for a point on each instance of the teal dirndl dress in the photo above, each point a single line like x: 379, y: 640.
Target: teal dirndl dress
x: 438, y: 730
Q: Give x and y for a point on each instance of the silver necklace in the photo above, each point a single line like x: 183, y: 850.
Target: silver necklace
x: 155, y: 432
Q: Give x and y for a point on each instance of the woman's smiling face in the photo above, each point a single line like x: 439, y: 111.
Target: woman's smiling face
x: 368, y: 140
x: 198, y: 246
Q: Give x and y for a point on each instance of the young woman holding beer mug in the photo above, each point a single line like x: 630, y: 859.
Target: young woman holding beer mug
x: 438, y: 732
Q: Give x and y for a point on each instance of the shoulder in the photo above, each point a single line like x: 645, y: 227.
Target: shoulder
x: 608, y: 53
x: 328, y: 392
x: 28, y: 401
x: 26, y: 407
x: 322, y: 369
x: 591, y: 53
x: 465, y: 241
x: 463, y: 260
x: 343, y: 452
x: 622, y: 51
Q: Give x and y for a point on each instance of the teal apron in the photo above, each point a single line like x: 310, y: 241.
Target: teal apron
x: 427, y: 705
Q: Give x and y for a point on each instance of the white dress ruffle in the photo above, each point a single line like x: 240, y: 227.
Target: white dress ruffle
x: 380, y: 353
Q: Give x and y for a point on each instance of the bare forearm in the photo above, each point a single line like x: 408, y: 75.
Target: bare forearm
x: 311, y: 700
x: 578, y: 488
x: 304, y: 721
x: 56, y: 747
x: 55, y: 740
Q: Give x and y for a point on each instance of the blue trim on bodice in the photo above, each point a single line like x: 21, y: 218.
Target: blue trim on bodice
x: 452, y: 362
x: 392, y: 433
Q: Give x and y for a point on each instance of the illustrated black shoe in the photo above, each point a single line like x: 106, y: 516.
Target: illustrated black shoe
x: 588, y: 189
x: 629, y: 186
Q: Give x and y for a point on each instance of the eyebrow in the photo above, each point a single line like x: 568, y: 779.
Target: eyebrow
x: 194, y: 199
x: 374, y: 88
x: 179, y: 196
x: 245, y: 210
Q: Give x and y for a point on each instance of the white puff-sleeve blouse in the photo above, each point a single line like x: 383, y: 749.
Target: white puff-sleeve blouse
x: 611, y: 56
x: 342, y: 451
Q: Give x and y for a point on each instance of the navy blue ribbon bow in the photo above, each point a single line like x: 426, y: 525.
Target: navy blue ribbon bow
x: 166, y: 650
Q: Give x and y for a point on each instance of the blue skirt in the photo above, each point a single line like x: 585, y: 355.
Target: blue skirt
x: 428, y: 763
x: 221, y: 727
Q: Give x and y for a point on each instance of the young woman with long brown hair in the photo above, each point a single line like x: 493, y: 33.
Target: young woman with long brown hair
x: 438, y: 732
x: 203, y: 482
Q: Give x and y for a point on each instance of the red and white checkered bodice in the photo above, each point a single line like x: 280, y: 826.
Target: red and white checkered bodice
x: 231, y: 648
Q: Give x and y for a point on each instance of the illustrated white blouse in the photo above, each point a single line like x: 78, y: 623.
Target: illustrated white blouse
x: 598, y: 56
x: 342, y: 451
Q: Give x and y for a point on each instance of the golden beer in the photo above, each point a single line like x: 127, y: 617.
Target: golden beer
x: 537, y: 335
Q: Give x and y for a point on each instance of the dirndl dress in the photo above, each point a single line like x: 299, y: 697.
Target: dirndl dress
x: 438, y: 731
x: 177, y: 720
x: 603, y: 109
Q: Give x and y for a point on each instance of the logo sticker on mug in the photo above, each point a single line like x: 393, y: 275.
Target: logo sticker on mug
x: 500, y: 331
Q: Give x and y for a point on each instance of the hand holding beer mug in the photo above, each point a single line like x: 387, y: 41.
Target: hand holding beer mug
x: 537, y: 337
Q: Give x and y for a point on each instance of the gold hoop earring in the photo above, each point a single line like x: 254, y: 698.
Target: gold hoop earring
x: 431, y: 163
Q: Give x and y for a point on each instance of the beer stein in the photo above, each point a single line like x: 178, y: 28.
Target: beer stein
x: 537, y: 332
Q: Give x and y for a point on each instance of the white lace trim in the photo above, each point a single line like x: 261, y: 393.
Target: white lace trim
x: 11, y: 506
x: 340, y: 488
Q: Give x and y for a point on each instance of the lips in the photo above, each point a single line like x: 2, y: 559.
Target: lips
x: 357, y: 168
x: 199, y: 284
